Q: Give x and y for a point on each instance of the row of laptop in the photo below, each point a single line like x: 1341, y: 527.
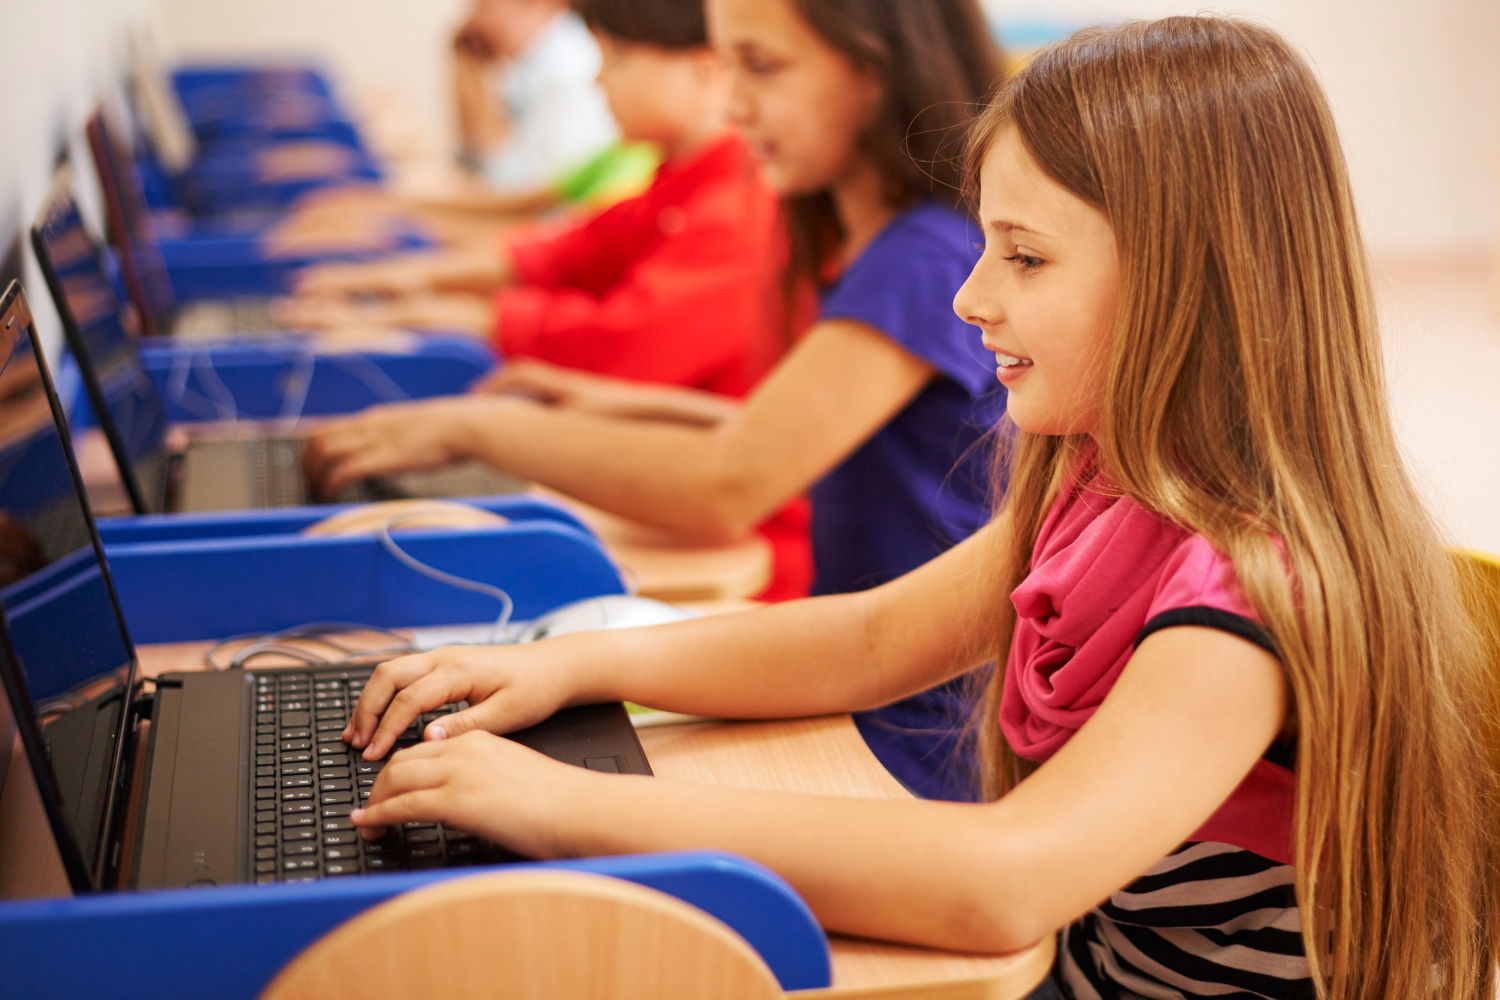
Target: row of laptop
x: 241, y: 772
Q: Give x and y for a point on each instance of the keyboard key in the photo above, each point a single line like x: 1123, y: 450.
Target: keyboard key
x: 296, y: 758
x: 339, y: 823
x: 294, y: 706
x: 265, y: 782
x: 330, y: 749
x: 422, y: 837
x: 377, y: 863
x: 334, y: 798
x: 336, y: 810
x: 264, y: 879
x: 291, y: 745
x: 299, y: 864
x: 268, y: 816
x: 304, y: 834
x: 338, y: 785
x: 370, y: 766
x: 299, y: 850
x: 303, y: 782
x: 265, y: 840
x: 454, y: 836
x: 341, y: 761
x: 340, y: 837
x: 341, y: 868
x: 265, y: 828
x: 262, y: 867
x: 324, y: 704
x: 423, y: 852
x: 366, y: 780
x: 265, y: 730
x: 293, y: 719
x: 297, y: 807
x: 296, y: 793
x: 265, y: 772
x: 265, y: 738
x: 265, y: 793
x: 306, y: 819
x: 305, y: 878
x: 287, y: 769
x: 463, y: 849
x: 271, y: 717
x: 333, y: 773
x: 295, y: 734
x: 264, y: 853
x: 341, y: 853
x: 331, y: 726
x: 419, y: 824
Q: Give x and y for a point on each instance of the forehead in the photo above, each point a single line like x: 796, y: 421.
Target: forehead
x: 768, y: 23
x: 1013, y: 188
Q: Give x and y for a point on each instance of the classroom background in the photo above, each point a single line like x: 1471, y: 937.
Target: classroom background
x: 1415, y: 87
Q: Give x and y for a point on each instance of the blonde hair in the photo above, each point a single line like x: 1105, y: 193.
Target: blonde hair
x: 1245, y: 400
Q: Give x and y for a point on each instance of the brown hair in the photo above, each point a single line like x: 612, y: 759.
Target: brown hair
x: 937, y: 63
x: 1245, y: 400
x: 667, y: 24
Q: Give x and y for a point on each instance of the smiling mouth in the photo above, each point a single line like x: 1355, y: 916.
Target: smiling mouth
x: 1011, y: 361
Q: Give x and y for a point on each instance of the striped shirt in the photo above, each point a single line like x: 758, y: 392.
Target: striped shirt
x: 1209, y: 920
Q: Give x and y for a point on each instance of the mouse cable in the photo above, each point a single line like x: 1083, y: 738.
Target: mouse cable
x: 320, y: 633
x: 498, y: 633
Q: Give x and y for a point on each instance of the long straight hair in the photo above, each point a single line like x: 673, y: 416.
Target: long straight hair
x: 1245, y: 400
x: 937, y: 64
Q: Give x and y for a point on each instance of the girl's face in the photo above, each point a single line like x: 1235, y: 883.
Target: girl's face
x: 1043, y: 292
x: 799, y: 103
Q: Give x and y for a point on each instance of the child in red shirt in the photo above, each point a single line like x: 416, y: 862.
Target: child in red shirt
x: 676, y: 286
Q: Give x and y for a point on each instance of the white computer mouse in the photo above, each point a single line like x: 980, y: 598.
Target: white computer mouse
x: 610, y: 611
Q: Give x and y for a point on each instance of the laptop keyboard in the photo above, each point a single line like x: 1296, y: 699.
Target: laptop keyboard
x: 278, y: 476
x: 307, y: 781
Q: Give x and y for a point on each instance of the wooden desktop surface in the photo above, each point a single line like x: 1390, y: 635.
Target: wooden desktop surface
x: 823, y: 756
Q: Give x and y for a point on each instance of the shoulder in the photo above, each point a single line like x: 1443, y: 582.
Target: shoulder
x: 926, y: 237
x: 1199, y: 586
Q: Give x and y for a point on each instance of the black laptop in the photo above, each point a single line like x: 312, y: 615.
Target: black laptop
x: 244, y: 778
x: 253, y: 465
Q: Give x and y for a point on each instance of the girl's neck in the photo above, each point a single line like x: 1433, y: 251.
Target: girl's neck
x: 859, y: 199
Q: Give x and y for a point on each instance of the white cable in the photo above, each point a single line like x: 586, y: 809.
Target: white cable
x: 498, y: 635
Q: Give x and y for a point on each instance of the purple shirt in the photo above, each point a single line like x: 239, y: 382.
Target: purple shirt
x: 921, y: 484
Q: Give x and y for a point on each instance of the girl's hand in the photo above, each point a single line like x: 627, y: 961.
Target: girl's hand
x: 385, y: 439
x: 507, y: 688
x: 477, y: 782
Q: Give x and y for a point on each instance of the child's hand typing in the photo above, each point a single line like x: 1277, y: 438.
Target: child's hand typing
x: 478, y: 782
x: 507, y: 688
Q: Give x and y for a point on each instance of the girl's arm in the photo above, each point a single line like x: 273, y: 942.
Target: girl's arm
x: 476, y: 269
x: 813, y: 657
x: 830, y: 394
x: 1188, y: 718
x: 587, y: 392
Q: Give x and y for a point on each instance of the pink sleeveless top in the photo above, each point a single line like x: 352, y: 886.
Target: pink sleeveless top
x: 1105, y: 573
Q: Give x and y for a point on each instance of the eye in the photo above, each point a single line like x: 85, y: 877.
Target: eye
x: 1025, y: 261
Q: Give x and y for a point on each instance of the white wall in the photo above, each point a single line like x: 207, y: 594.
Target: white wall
x: 390, y: 46
x: 60, y: 55
x: 1416, y: 91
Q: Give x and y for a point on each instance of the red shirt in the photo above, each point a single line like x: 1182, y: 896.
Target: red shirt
x: 675, y: 286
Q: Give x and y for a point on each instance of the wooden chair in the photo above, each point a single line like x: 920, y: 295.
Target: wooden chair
x: 554, y: 935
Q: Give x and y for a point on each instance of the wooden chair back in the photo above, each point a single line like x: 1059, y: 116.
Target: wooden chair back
x: 534, y: 935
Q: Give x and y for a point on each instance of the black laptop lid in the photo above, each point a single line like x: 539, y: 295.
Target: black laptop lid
x: 131, y: 231
x: 126, y: 403
x: 65, y: 657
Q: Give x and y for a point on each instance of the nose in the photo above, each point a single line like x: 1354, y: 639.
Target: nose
x: 977, y: 301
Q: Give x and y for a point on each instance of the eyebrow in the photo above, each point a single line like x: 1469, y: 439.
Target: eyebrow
x: 1007, y: 226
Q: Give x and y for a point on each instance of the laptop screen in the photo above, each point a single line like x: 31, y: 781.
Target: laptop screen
x: 127, y: 406
x: 65, y: 658
x: 131, y: 230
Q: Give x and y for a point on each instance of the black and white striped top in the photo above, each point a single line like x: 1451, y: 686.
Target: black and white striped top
x: 1209, y: 920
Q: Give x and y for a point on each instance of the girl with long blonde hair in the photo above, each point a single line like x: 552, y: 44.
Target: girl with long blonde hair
x: 1237, y: 745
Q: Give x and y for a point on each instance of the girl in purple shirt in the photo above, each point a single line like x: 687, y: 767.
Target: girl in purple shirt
x: 1239, y: 745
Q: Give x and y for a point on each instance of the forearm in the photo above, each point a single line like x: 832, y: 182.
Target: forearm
x: 679, y: 477
x: 928, y: 873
